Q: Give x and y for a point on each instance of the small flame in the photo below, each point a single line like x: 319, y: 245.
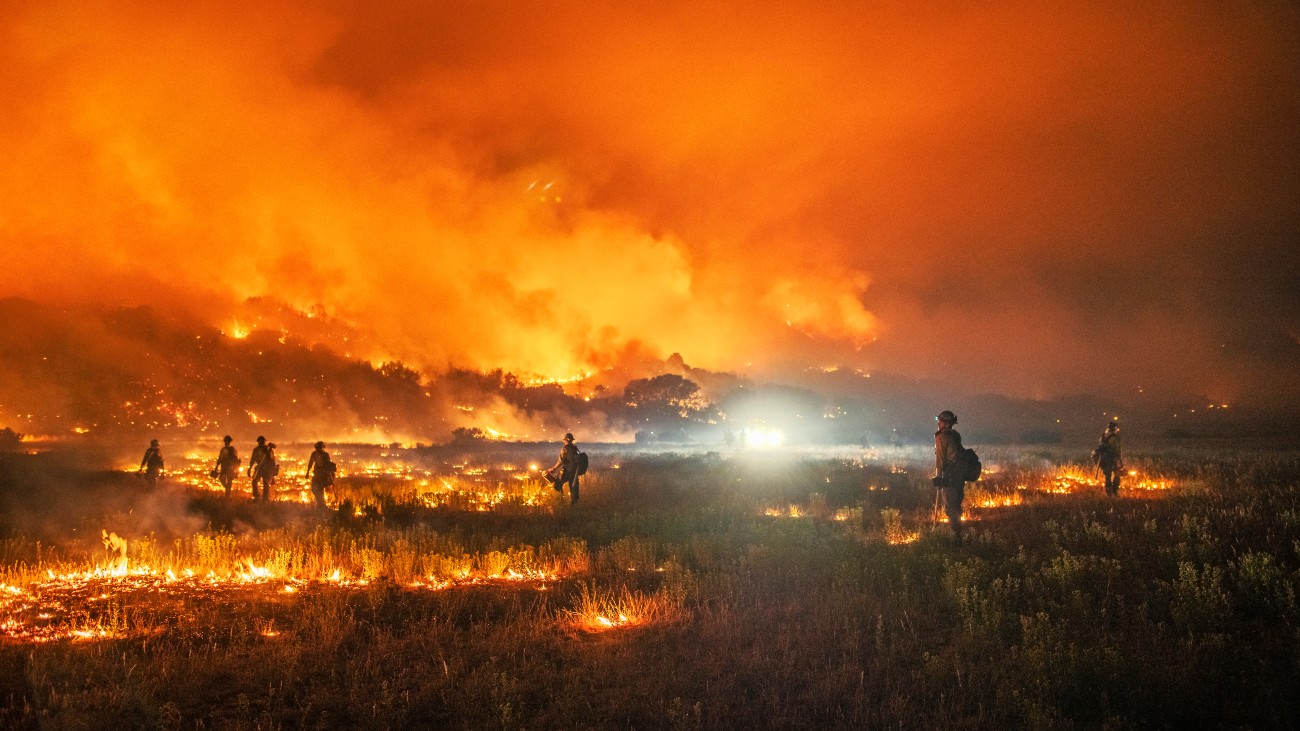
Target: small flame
x: 115, y: 543
x: 601, y: 622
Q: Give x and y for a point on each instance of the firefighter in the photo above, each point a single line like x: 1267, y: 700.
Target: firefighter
x: 950, y: 470
x: 263, y: 468
x: 152, y: 463
x: 565, y: 470
x: 227, y: 464
x: 1109, y: 458
x: 320, y: 469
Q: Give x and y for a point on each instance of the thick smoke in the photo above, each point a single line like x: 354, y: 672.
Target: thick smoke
x: 1024, y: 199
x: 204, y: 157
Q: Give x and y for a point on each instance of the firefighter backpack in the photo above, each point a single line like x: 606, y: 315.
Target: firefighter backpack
x: 971, y: 466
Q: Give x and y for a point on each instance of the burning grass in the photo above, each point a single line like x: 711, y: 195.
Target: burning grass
x: 1072, y: 479
x: 370, y: 479
x: 670, y: 597
x: 895, y: 534
x: 46, y: 605
x: 602, y: 610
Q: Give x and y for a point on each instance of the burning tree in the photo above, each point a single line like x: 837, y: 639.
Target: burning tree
x: 468, y: 435
x: 665, y: 402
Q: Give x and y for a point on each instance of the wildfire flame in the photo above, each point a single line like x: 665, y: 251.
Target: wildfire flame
x: 115, y: 543
x: 52, y: 603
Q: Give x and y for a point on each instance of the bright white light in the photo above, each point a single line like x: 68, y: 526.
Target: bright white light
x: 761, y: 438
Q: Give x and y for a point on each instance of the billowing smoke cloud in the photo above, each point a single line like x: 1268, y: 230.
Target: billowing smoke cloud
x: 216, y: 151
x: 1023, y: 198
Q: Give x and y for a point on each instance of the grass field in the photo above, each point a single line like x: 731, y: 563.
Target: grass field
x: 694, y: 590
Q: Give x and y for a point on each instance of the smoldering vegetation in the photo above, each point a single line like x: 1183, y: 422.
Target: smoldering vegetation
x: 691, y: 590
x: 69, y: 494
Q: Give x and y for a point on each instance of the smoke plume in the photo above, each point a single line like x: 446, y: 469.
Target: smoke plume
x: 1020, y: 198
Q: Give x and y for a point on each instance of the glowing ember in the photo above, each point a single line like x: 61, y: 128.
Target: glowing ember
x: 607, y: 623
x: 1147, y: 483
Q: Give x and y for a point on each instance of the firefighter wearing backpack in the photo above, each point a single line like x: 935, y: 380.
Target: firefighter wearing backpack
x: 567, y: 469
x: 1108, y: 457
x: 950, y: 470
x: 228, y: 461
x: 320, y: 470
x: 152, y: 463
x: 263, y: 467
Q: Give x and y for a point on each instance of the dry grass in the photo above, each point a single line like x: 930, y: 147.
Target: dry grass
x: 669, y: 598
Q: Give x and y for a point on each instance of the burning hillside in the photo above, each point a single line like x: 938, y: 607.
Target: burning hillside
x: 92, y: 371
x: 129, y: 373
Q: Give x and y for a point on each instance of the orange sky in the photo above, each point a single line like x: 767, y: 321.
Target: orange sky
x: 1012, y: 198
